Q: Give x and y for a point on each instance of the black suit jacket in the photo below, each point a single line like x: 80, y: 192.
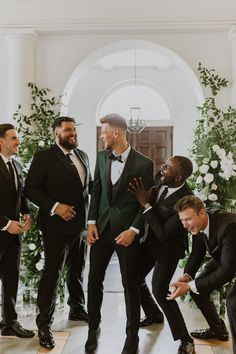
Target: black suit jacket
x: 222, y: 247
x: 166, y: 236
x: 12, y: 202
x: 120, y: 208
x: 51, y: 179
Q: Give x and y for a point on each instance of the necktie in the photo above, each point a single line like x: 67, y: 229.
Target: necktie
x: 11, y: 171
x: 115, y: 158
x: 72, y: 164
x: 163, y: 194
x: 205, y: 239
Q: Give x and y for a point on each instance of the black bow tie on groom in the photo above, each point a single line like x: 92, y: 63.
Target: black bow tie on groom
x: 115, y: 158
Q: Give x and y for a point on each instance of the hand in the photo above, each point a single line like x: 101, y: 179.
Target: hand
x: 181, y: 288
x: 92, y: 234
x: 126, y: 237
x: 65, y: 211
x: 137, y: 188
x: 184, y: 278
x: 27, y: 221
x: 15, y: 228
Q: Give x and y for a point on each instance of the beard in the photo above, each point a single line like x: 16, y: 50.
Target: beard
x: 65, y: 143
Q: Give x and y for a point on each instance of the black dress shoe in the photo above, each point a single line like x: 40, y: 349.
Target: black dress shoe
x: 17, y: 330
x: 78, y: 315
x: 46, y: 338
x: 92, y: 341
x: 131, y: 345
x: 186, y: 347
x: 209, y: 334
x: 149, y: 320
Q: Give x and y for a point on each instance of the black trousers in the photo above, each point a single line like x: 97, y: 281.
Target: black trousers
x: 100, y: 254
x: 163, y: 272
x: 59, y: 250
x: 231, y: 311
x: 10, y: 250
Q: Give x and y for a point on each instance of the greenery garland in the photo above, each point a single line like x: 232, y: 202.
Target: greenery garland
x: 36, y: 133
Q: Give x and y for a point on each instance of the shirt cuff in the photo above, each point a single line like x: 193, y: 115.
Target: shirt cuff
x: 193, y: 287
x: 135, y: 230
x: 145, y: 210
x: 6, y: 226
x: 91, y: 222
x: 52, y: 212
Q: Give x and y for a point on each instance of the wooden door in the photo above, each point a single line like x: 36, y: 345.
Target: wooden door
x: 154, y: 142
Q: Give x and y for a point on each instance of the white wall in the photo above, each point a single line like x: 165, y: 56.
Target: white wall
x: 58, y: 55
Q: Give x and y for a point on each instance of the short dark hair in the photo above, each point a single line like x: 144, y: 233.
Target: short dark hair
x: 114, y: 119
x: 189, y: 201
x: 58, y: 121
x: 4, y: 128
x: 185, y: 164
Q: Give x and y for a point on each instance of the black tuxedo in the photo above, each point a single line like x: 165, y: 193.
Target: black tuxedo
x: 52, y: 179
x: 12, y: 204
x: 218, y: 271
x: 115, y: 210
x: 165, y: 244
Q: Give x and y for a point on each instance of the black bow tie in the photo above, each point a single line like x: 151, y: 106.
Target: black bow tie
x: 115, y: 158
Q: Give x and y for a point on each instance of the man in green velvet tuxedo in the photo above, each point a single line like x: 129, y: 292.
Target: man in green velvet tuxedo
x: 115, y: 222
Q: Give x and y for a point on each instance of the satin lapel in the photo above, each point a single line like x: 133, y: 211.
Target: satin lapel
x: 5, y: 173
x: 19, y: 175
x: 123, y: 178
x: 108, y: 176
x: 80, y: 157
x: 61, y: 156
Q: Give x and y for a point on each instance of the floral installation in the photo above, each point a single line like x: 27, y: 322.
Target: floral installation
x: 36, y: 133
x: 214, y: 158
x: 214, y: 148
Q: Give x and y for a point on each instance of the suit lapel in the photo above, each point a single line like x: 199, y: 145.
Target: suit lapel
x: 5, y: 173
x: 122, y: 183
x: 18, y: 175
x: 65, y: 161
x: 108, y: 176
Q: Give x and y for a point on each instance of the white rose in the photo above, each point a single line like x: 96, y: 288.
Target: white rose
x: 42, y: 255
x: 199, y: 180
x: 204, y: 169
x: 221, y: 153
x: 208, y: 178
x: 32, y: 246
x: 213, y: 197
x: 214, y: 164
x: 39, y: 265
x: 214, y: 187
x: 215, y: 148
x: 41, y: 143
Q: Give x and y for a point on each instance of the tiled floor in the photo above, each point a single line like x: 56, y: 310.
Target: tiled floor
x: 70, y: 336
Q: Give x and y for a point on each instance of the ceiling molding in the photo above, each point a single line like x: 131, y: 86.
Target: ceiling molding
x: 124, y: 27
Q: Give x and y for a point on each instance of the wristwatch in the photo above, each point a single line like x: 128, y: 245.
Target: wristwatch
x: 147, y: 205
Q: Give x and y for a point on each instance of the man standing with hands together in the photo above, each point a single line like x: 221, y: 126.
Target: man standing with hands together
x: 12, y: 204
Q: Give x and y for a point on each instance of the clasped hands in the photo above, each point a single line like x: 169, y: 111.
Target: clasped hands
x: 17, y: 227
x: 65, y: 211
x: 181, y: 287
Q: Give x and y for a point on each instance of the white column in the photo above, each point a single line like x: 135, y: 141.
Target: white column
x: 21, y: 69
x: 232, y: 38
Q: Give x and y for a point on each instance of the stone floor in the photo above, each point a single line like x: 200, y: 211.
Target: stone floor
x: 70, y: 336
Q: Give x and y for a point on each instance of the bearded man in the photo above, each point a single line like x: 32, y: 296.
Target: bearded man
x: 58, y: 183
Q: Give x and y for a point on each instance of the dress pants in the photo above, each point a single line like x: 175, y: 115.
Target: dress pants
x: 204, y: 302
x: 10, y: 250
x: 162, y: 274
x: 231, y: 311
x: 56, y: 248
x: 75, y: 263
x: 100, y: 254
